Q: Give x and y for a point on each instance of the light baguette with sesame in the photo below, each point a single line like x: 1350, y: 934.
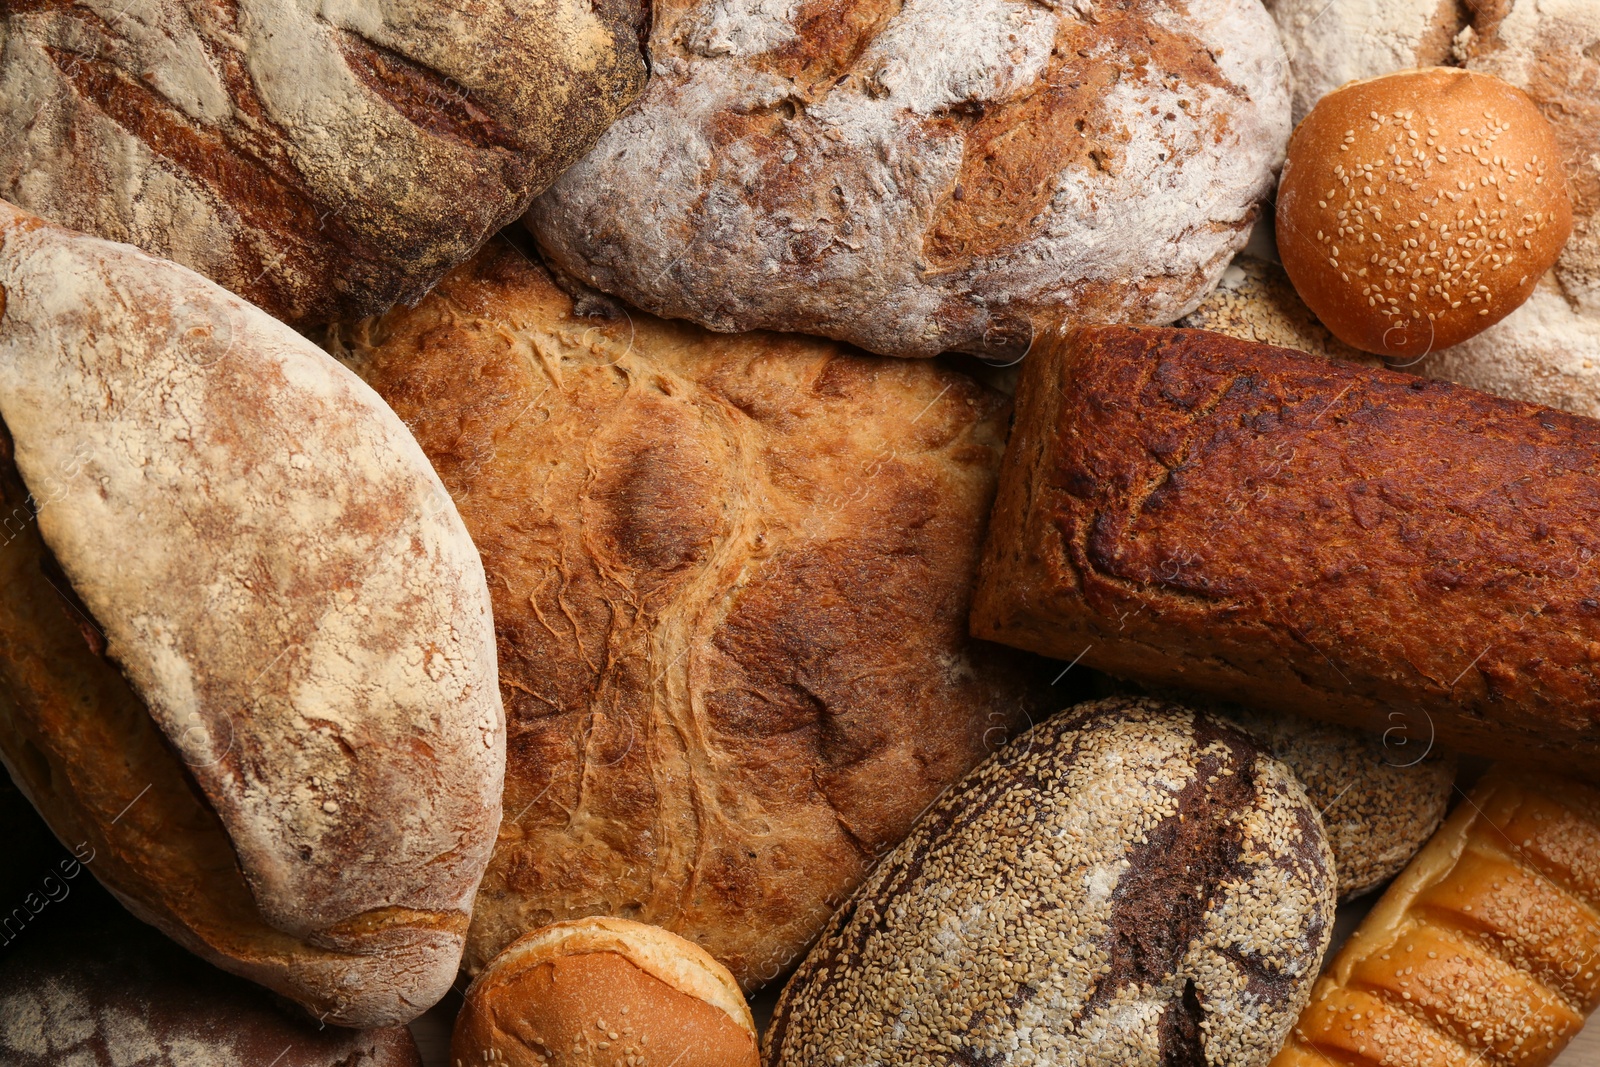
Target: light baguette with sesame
x: 1485, y: 951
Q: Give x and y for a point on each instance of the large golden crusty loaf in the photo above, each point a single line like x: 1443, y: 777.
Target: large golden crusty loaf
x: 730, y: 579
x: 1188, y: 509
x: 1486, y: 951
x: 246, y: 656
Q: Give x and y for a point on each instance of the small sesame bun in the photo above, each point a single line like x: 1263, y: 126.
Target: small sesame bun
x: 604, y: 992
x: 1418, y: 209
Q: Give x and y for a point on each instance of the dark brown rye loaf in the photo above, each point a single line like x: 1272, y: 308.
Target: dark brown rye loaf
x: 1187, y: 509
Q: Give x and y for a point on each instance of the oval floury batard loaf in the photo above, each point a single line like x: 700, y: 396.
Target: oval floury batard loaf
x: 246, y: 652
x: 1130, y: 884
x: 1484, y: 953
x: 730, y: 581
x: 599, y: 992
x: 103, y: 990
x: 322, y: 160
x: 929, y: 175
x: 1191, y: 510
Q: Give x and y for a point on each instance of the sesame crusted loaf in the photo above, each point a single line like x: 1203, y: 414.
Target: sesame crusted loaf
x: 246, y: 654
x: 1285, y: 531
x: 1484, y: 952
x: 730, y: 579
x: 915, y: 176
x: 1129, y: 884
x: 321, y: 159
x: 1381, y: 796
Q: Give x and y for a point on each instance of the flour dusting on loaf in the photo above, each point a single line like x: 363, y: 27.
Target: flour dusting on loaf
x: 930, y: 175
x: 322, y: 159
x: 280, y: 576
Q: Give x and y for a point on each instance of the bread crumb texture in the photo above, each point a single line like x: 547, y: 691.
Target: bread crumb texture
x: 915, y: 176
x: 730, y: 578
x: 1129, y: 883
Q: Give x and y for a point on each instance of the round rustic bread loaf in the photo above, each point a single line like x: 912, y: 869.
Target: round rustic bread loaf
x: 929, y: 175
x: 1420, y: 208
x: 246, y: 653
x: 731, y: 578
x: 1129, y: 883
x: 1380, y: 797
x: 598, y: 992
x: 322, y: 160
x: 99, y: 989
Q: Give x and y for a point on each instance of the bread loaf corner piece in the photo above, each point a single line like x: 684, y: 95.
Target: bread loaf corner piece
x: 1259, y: 525
x: 321, y: 160
x: 1131, y: 883
x: 929, y: 175
x: 1486, y: 950
x: 246, y: 653
x: 731, y: 577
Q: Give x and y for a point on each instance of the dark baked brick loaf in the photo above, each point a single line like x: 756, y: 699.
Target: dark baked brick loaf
x: 1184, y: 508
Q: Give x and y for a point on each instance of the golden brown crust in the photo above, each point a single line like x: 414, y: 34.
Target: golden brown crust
x: 1483, y: 950
x: 1191, y: 510
x: 730, y: 581
x: 1420, y: 208
x: 598, y: 992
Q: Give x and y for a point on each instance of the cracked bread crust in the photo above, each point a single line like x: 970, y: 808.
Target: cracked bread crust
x: 238, y: 582
x: 916, y: 176
x: 321, y: 160
x: 730, y: 580
x: 1130, y: 883
x: 1259, y: 525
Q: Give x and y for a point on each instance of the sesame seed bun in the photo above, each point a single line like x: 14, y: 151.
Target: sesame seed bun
x: 1418, y: 209
x: 599, y: 992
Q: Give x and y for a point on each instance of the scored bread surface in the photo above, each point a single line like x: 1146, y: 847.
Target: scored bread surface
x: 321, y: 159
x: 260, y: 548
x: 1486, y: 950
x: 929, y: 175
x: 730, y: 581
x: 1129, y: 883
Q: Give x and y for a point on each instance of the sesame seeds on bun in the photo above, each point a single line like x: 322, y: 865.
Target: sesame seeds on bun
x: 1420, y: 208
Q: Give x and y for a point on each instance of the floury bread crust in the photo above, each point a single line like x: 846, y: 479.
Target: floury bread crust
x: 1129, y: 884
x: 730, y: 581
x: 248, y: 653
x: 929, y: 175
x: 322, y: 159
x: 103, y: 990
x: 1190, y: 510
